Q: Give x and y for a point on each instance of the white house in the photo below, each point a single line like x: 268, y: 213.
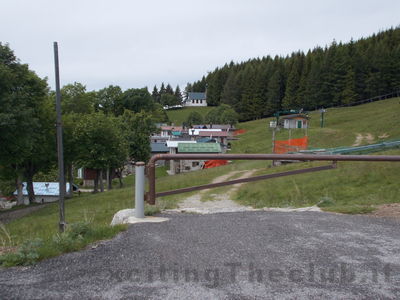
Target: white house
x: 295, y: 121
x: 44, y: 191
x: 196, y: 99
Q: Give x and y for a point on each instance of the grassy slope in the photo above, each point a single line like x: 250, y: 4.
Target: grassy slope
x: 347, y: 189
x: 341, y: 127
x: 180, y: 115
x: 350, y: 188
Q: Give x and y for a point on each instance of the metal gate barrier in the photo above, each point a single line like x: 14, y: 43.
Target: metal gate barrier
x: 151, y: 194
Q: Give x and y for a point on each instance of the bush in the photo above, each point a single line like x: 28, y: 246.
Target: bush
x: 27, y: 254
x: 194, y: 118
x: 73, y: 238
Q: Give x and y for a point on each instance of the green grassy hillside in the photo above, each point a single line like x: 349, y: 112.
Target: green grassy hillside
x: 375, y: 122
x: 178, y: 116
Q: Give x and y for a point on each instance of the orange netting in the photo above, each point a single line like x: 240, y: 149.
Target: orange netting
x: 239, y: 131
x: 214, y: 163
x: 292, y: 145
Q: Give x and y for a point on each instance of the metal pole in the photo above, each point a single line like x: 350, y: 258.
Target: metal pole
x: 322, y: 117
x: 139, y: 190
x: 152, y: 183
x: 61, y: 176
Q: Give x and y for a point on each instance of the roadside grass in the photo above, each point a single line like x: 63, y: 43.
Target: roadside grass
x: 354, y: 187
x: 178, y: 116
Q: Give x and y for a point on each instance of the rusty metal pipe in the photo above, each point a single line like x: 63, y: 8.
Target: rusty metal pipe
x: 249, y: 179
x: 151, y: 197
x: 302, y: 157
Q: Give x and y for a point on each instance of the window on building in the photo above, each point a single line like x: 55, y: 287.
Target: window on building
x: 195, y: 164
x: 201, y: 101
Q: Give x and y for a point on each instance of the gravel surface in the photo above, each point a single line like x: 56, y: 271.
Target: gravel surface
x: 243, y: 255
x: 221, y: 202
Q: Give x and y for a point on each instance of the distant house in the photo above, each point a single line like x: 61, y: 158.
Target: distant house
x: 222, y: 127
x: 183, y: 166
x: 171, y: 131
x: 294, y: 121
x: 45, y: 191
x: 220, y: 136
x: 196, y: 99
x: 89, y: 175
x: 159, y: 148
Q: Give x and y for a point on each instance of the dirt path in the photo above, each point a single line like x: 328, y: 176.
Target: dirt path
x: 387, y: 210
x: 222, y: 202
x: 8, y: 216
x: 368, y: 137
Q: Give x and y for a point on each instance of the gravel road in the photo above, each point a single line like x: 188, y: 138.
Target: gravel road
x: 242, y: 255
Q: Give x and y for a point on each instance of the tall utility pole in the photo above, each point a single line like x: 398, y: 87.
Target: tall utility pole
x: 61, y: 177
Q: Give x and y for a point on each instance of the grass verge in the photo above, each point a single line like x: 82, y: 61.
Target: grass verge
x: 354, y: 187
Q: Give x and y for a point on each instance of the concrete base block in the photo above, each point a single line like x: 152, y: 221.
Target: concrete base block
x: 127, y: 216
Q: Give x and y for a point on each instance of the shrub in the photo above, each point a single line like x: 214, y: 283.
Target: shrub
x: 27, y: 254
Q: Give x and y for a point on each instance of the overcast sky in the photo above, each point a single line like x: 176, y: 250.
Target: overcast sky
x: 142, y: 43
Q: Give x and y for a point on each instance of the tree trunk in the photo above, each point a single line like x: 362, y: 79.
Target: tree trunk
x: 96, y: 182
x: 119, y: 174
x: 20, y: 196
x: 109, y: 178
x: 29, y: 187
x: 70, y: 176
x: 101, y: 181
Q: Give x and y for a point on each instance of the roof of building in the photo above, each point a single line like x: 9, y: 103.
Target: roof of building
x: 45, y: 188
x: 172, y: 128
x: 302, y: 116
x: 174, y: 143
x: 222, y: 126
x: 193, y: 131
x: 199, y: 148
x: 176, y: 133
x: 213, y: 133
x: 196, y: 96
x: 206, y: 140
x: 159, y: 147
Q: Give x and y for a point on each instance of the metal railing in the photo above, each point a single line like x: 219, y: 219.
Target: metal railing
x: 151, y: 195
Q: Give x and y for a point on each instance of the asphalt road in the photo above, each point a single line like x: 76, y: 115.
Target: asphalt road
x: 243, y: 255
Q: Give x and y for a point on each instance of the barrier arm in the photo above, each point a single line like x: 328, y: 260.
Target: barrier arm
x: 151, y: 195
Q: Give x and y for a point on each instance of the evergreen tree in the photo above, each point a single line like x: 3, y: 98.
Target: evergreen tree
x: 178, y: 95
x: 348, y: 94
x: 169, y: 89
x: 162, y: 89
x: 324, y: 77
x: 156, y: 95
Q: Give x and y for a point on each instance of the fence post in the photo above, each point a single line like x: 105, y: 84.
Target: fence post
x: 139, y: 189
x: 152, y: 183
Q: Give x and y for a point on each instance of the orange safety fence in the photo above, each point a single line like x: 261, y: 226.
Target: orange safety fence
x: 292, y: 145
x: 214, y: 163
x: 239, y: 131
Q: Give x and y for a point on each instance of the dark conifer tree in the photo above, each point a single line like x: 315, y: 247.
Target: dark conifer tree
x: 156, y: 95
x: 169, y: 89
x: 178, y: 94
